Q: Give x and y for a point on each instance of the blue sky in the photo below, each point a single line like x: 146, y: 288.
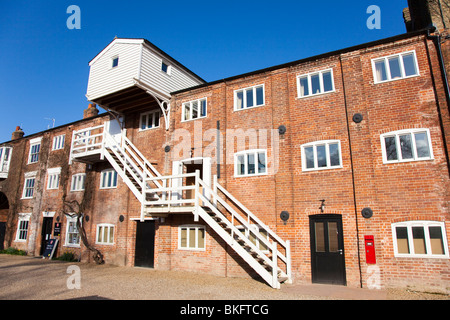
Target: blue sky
x: 44, y: 65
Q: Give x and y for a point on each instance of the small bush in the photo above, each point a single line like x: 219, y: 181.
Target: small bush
x: 14, y: 251
x: 67, y: 256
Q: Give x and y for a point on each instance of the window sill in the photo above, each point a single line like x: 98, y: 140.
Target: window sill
x: 315, y: 95
x: 199, y: 118
x: 406, y: 161
x: 147, y: 129
x: 322, y: 169
x: 249, y: 108
x: 396, y: 79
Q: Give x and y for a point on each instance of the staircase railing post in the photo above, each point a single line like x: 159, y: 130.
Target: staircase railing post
x: 144, y: 198
x: 275, y: 282
x: 196, y: 194
x: 288, y: 262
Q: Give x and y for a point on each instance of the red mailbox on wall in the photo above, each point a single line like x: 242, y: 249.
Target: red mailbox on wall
x: 370, y: 250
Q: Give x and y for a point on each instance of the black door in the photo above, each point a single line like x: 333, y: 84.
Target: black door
x: 145, y: 244
x: 327, y: 249
x: 2, y: 234
x: 47, y: 227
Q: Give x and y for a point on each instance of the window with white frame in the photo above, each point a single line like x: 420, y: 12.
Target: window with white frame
x: 315, y: 83
x: 72, y: 233
x: 78, y: 181
x: 194, y: 109
x: 166, y: 68
x: 108, y: 179
x: 115, y: 62
x: 395, y: 67
x: 150, y: 120
x: 250, y: 163
x: 5, y: 158
x: 251, y: 234
x: 321, y: 155
x: 421, y: 239
x: 249, y: 97
x: 22, y: 226
x: 53, y: 176
x: 28, y: 187
x: 58, y: 142
x: 105, y: 234
x: 191, y: 237
x: 35, y: 148
x: 406, y: 145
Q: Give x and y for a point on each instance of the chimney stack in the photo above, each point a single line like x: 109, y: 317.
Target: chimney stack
x: 91, y: 111
x: 18, y: 134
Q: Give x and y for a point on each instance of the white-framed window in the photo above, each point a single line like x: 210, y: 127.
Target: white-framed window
x: 395, y: 67
x: 35, y: 148
x: 108, y: 179
x: 166, y: 68
x: 5, y: 158
x: 22, y: 227
x: 114, y: 62
x: 420, y: 239
x: 105, y: 234
x: 250, y: 97
x: 28, y: 187
x: 58, y: 142
x: 250, y: 163
x: 315, y: 83
x: 406, y: 145
x: 53, y: 176
x: 78, y: 181
x: 321, y: 155
x: 191, y: 237
x: 72, y: 233
x: 194, y: 109
x: 149, y: 120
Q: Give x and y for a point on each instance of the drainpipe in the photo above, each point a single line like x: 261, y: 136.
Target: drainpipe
x: 353, y: 173
x: 437, y: 40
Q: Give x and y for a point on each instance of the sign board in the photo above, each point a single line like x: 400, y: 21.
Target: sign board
x: 50, y: 248
x: 57, y: 229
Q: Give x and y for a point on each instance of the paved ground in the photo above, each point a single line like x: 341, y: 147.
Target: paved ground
x: 28, y: 278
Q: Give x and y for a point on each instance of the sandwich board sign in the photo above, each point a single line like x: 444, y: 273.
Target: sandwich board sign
x: 50, y: 248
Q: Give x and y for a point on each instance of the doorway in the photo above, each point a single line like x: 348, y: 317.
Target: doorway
x: 327, y: 249
x: 47, y: 228
x: 144, y: 255
x: 190, y: 166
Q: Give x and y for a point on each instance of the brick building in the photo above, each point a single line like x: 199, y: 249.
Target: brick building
x: 330, y: 169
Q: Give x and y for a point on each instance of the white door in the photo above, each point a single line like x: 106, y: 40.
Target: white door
x: 115, y: 129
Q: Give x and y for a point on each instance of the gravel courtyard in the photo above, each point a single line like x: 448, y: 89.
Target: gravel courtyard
x: 29, y: 278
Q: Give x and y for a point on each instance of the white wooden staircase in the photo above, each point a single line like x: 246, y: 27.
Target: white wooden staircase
x: 261, y: 248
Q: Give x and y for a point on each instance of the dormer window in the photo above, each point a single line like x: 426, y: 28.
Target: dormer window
x: 115, y: 62
x: 165, y: 67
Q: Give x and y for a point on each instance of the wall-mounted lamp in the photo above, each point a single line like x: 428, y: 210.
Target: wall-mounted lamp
x: 322, y: 206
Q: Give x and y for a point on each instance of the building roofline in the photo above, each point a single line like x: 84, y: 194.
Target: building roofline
x: 55, y: 128
x: 316, y: 57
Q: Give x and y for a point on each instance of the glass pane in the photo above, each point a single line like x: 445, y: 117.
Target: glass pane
x: 261, y: 162
x: 240, y: 100
x: 402, y: 239
x: 156, y: 119
x: 201, y: 238
x: 309, y: 154
x: 111, y: 235
x: 423, y: 149
x: 321, y: 157
x: 195, y: 110
x: 391, y: 148
x: 251, y: 163
x: 187, y: 111
x: 315, y: 83
x: 406, y: 146
x: 394, y: 66
x: 304, y: 90
x: 192, y: 238
x: 333, y: 242
x: 335, y: 159
x: 409, y: 64
x: 327, y: 81
x: 183, y: 238
x: 99, y: 234
x: 249, y: 93
x: 240, y: 165
x: 259, y: 96
x: 320, y: 236
x: 437, y: 245
x: 262, y: 245
x: 380, y: 71
x: 143, y: 122
x: 419, y: 240
x: 203, y: 108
